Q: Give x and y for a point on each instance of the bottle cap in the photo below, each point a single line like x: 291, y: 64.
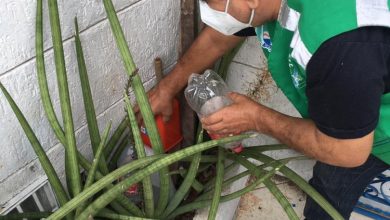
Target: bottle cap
x: 238, y: 149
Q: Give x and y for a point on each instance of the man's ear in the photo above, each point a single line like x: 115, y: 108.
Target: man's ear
x: 253, y: 4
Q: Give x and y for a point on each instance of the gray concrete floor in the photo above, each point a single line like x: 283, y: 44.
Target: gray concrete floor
x: 260, y: 204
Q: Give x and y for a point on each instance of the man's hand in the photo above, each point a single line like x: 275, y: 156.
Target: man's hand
x: 233, y: 119
x: 160, y: 99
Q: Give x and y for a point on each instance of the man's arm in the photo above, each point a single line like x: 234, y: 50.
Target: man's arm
x: 203, y: 53
x: 303, y: 135
x: 299, y: 134
x: 209, y: 46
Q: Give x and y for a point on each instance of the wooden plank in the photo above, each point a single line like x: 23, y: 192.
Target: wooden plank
x: 188, y: 24
x: 188, y: 32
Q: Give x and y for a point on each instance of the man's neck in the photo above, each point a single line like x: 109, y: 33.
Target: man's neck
x: 276, y: 8
x: 267, y: 11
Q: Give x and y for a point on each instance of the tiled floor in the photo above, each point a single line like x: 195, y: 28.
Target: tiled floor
x: 260, y: 204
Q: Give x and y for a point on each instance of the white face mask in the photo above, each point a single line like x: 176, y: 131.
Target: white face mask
x: 222, y: 21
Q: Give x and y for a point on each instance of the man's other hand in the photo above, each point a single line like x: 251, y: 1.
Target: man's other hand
x: 233, y: 119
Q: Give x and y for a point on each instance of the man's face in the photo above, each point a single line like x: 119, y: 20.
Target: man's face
x: 239, y: 9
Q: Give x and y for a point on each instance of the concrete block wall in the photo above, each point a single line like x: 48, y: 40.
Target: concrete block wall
x: 151, y: 28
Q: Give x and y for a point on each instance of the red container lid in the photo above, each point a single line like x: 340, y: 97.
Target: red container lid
x: 170, y: 132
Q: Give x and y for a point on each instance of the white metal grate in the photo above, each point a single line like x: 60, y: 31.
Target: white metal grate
x: 38, y: 197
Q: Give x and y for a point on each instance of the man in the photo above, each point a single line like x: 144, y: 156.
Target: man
x: 331, y: 59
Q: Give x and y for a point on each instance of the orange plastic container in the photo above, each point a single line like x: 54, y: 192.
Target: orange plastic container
x: 170, y: 132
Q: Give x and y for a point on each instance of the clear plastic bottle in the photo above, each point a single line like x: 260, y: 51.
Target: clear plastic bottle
x: 207, y: 94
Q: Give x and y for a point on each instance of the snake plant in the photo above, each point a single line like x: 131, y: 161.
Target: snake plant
x: 102, y: 195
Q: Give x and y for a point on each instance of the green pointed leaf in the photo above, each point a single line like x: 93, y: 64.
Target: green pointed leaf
x: 286, y: 205
x: 115, y: 138
x: 118, y: 152
x: 96, y: 161
x: 89, y: 106
x: 42, y: 80
x: 71, y: 164
x: 139, y: 147
x: 218, y: 185
x: 43, y: 159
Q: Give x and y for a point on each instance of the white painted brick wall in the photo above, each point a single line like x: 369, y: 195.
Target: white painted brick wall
x: 151, y: 28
